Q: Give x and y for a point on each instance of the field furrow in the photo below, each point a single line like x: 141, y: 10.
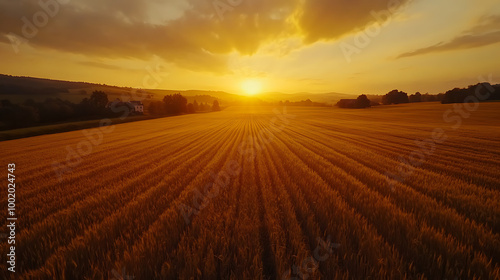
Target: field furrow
x: 261, y: 192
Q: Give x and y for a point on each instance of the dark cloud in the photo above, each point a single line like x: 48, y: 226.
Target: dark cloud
x: 327, y: 19
x: 487, y: 32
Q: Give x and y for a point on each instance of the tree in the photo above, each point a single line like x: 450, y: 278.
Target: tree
x: 196, y: 107
x: 417, y: 97
x: 190, y: 108
x: 156, y: 108
x: 480, y: 92
x: 363, y: 102
x: 175, y: 104
x: 428, y: 98
x: 54, y: 110
x: 204, y: 107
x: 16, y: 116
x: 98, y: 99
x: 215, y: 106
x: 395, y: 97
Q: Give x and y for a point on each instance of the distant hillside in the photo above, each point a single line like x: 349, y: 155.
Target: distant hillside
x: 18, y: 89
x: 27, y: 85
x: 198, y: 95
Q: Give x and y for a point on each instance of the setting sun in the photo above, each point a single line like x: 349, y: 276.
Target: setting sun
x: 251, y: 87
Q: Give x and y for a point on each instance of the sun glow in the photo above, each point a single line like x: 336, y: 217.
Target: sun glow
x: 251, y: 87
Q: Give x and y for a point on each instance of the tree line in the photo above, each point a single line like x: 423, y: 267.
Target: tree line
x: 55, y: 110
x: 392, y: 97
x: 52, y: 110
x: 177, y: 104
x: 456, y: 95
x: 400, y: 97
x: 461, y: 95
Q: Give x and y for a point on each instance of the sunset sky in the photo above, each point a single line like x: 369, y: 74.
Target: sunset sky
x: 279, y: 45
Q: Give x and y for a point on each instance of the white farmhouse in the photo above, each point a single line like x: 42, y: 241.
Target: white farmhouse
x: 136, y: 106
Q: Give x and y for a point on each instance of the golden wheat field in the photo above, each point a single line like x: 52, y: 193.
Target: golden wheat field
x: 393, y: 192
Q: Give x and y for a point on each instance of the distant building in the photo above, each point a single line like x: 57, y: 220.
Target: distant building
x: 135, y: 107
